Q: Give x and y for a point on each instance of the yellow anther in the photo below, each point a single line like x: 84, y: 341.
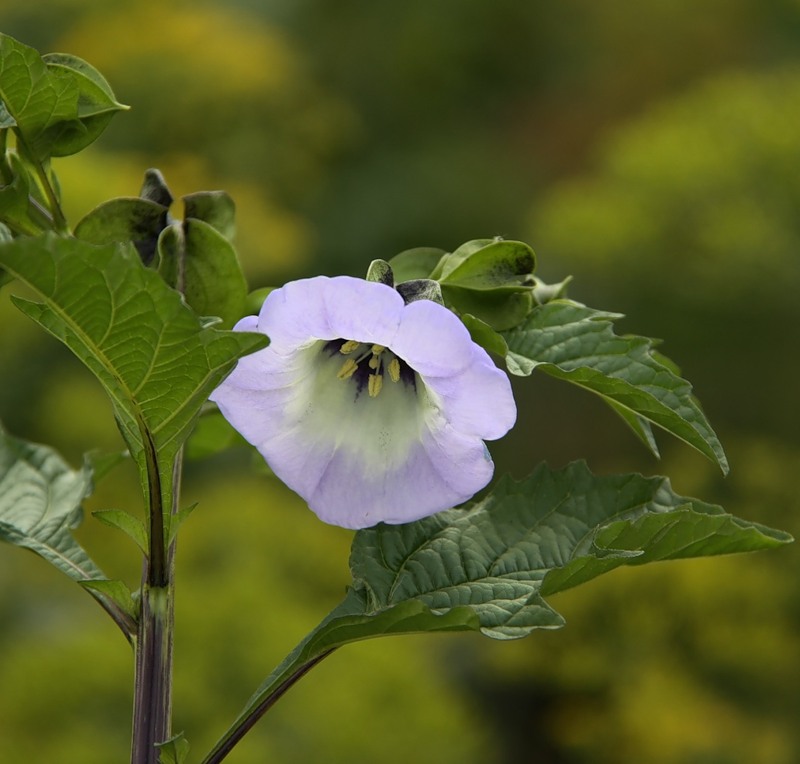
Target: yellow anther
x: 349, y: 347
x: 348, y: 369
x: 375, y: 384
x: 394, y: 370
x: 374, y: 362
x: 377, y: 349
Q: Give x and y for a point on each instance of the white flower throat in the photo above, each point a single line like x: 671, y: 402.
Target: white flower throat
x: 367, y: 364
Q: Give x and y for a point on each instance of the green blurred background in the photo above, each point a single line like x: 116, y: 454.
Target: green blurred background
x: 650, y: 149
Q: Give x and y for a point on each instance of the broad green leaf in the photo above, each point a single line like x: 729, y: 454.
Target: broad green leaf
x: 640, y: 427
x: 200, y: 261
x: 32, y: 100
x: 40, y: 506
x: 125, y: 219
x: 498, y: 308
x: 572, y: 342
x: 153, y: 356
x: 483, y: 335
x: 488, y: 566
x: 57, y: 104
x: 540, y: 536
x: 417, y: 263
x: 490, y: 279
x: 498, y: 264
x: 216, y: 208
x: 96, y: 104
x: 453, y: 259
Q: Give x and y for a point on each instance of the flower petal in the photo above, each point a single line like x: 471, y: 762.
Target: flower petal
x: 441, y: 470
x: 479, y: 400
x: 413, y: 449
x: 432, y: 340
x: 331, y: 308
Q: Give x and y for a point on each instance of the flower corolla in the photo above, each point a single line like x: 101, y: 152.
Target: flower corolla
x: 373, y: 410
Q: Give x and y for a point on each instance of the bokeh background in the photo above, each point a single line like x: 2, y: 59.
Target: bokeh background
x: 650, y: 149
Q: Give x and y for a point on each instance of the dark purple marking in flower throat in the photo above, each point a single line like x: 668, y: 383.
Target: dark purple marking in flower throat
x: 362, y: 355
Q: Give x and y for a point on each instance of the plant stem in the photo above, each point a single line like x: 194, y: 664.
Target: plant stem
x: 246, y: 722
x: 56, y: 215
x: 152, y: 701
x: 153, y: 680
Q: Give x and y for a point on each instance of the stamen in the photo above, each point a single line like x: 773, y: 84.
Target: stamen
x: 394, y: 370
x: 348, y: 369
x: 374, y: 362
x: 349, y: 347
x: 375, y: 384
x: 377, y: 349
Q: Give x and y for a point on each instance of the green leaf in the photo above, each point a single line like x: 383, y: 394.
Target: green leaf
x: 255, y: 300
x: 117, y: 592
x: 200, y: 261
x: 125, y: 522
x: 40, y: 506
x: 14, y: 194
x: 152, y: 355
x: 575, y: 343
x: 490, y: 279
x: 494, y: 265
x: 103, y: 463
x: 212, y: 435
x: 216, y: 208
x: 381, y: 272
x: 57, y: 105
x: 417, y: 263
x: 125, y: 219
x: 483, y: 335
x: 639, y: 426
x: 96, y: 104
x: 178, y: 519
x: 499, y: 308
x: 487, y: 567
x: 31, y: 100
x: 174, y: 750
x: 543, y: 292
x: 540, y: 536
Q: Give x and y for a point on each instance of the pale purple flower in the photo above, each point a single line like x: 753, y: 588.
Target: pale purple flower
x: 371, y: 409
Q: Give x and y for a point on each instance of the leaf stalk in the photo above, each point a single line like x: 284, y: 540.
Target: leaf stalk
x: 246, y: 722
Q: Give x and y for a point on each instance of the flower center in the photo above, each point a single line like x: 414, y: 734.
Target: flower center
x: 367, y: 364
